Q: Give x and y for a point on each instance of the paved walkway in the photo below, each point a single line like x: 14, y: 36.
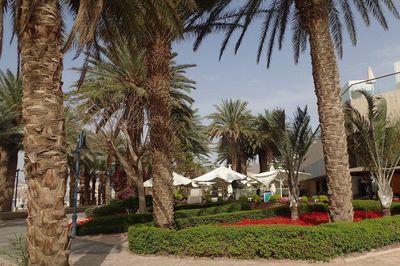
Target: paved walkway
x: 111, y: 250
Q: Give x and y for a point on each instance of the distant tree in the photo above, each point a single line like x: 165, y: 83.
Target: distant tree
x: 229, y: 124
x: 376, y: 143
x: 319, y: 23
x: 11, y: 134
x: 293, y: 143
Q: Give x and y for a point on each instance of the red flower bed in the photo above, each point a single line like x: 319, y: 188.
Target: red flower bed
x: 80, y: 222
x: 307, y: 219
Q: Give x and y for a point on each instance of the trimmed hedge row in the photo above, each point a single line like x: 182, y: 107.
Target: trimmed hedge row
x: 273, y: 241
x: 283, y: 210
x: 117, y: 207
x: 113, y: 224
x: 226, y: 208
x: 119, y: 223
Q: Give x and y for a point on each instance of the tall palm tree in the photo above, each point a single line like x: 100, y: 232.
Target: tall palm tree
x: 229, y: 123
x: 39, y: 28
x: 267, y: 124
x: 319, y: 22
x: 11, y: 135
x: 377, y: 143
x: 293, y: 142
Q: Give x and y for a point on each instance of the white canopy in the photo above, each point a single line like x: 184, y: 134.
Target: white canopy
x: 277, y: 174
x: 179, y: 180
x: 221, y: 174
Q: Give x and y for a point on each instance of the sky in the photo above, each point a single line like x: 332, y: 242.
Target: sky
x: 284, y: 85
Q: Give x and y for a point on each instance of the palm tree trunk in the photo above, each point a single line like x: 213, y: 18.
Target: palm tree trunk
x: 232, y: 154
x: 8, y: 169
x: 385, y: 195
x: 293, y: 185
x: 314, y: 16
x: 3, y: 176
x: 11, y: 174
x: 44, y: 138
x: 93, y: 190
x: 159, y: 102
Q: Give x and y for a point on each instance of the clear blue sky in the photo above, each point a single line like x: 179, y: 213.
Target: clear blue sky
x: 238, y: 76
x: 284, y: 85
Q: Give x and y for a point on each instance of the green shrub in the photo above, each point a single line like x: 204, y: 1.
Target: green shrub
x: 200, y: 205
x: 108, y: 210
x: 226, y: 208
x: 230, y: 217
x: 243, y: 198
x: 304, y: 199
x: 120, y: 222
x: 117, y: 206
x: 269, y: 241
x: 256, y: 198
x: 323, y: 198
x: 112, y: 224
x: 315, y: 198
x: 275, y: 198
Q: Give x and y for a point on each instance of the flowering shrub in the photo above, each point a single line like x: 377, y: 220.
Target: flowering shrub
x: 80, y: 222
x: 284, y: 200
x: 306, y: 219
x: 273, y: 220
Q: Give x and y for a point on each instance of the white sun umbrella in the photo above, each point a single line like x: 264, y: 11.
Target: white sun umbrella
x: 221, y: 174
x: 277, y: 174
x: 179, y: 180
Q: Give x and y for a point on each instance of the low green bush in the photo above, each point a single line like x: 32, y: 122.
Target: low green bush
x: 230, y: 217
x: 226, y: 208
x: 117, y: 206
x: 113, y: 224
x: 200, y: 205
x: 120, y: 222
x: 271, y: 242
x: 323, y: 198
x: 304, y: 199
x: 275, y: 198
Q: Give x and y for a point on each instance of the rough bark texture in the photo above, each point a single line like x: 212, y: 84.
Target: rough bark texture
x: 265, y: 157
x: 293, y: 185
x: 93, y: 190
x: 3, y: 176
x: 7, y: 198
x: 232, y: 154
x: 385, y: 195
x: 71, y: 187
x: 44, y: 138
x: 159, y: 103
x: 314, y: 16
x: 294, y: 212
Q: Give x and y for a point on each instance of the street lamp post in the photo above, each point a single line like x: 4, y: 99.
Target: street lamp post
x: 80, y: 148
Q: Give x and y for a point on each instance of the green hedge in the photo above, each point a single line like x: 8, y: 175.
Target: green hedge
x: 283, y: 210
x: 113, y: 224
x: 120, y: 222
x: 200, y: 205
x: 117, y: 207
x: 225, y: 208
x: 273, y: 241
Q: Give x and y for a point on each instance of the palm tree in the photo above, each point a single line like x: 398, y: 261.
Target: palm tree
x: 377, y: 143
x: 11, y: 135
x: 39, y: 28
x: 293, y: 143
x: 230, y: 123
x: 267, y: 124
x: 320, y: 22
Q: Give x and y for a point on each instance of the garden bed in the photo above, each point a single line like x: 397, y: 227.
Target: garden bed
x: 268, y: 241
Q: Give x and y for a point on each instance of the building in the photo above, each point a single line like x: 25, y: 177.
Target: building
x: 362, y: 185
